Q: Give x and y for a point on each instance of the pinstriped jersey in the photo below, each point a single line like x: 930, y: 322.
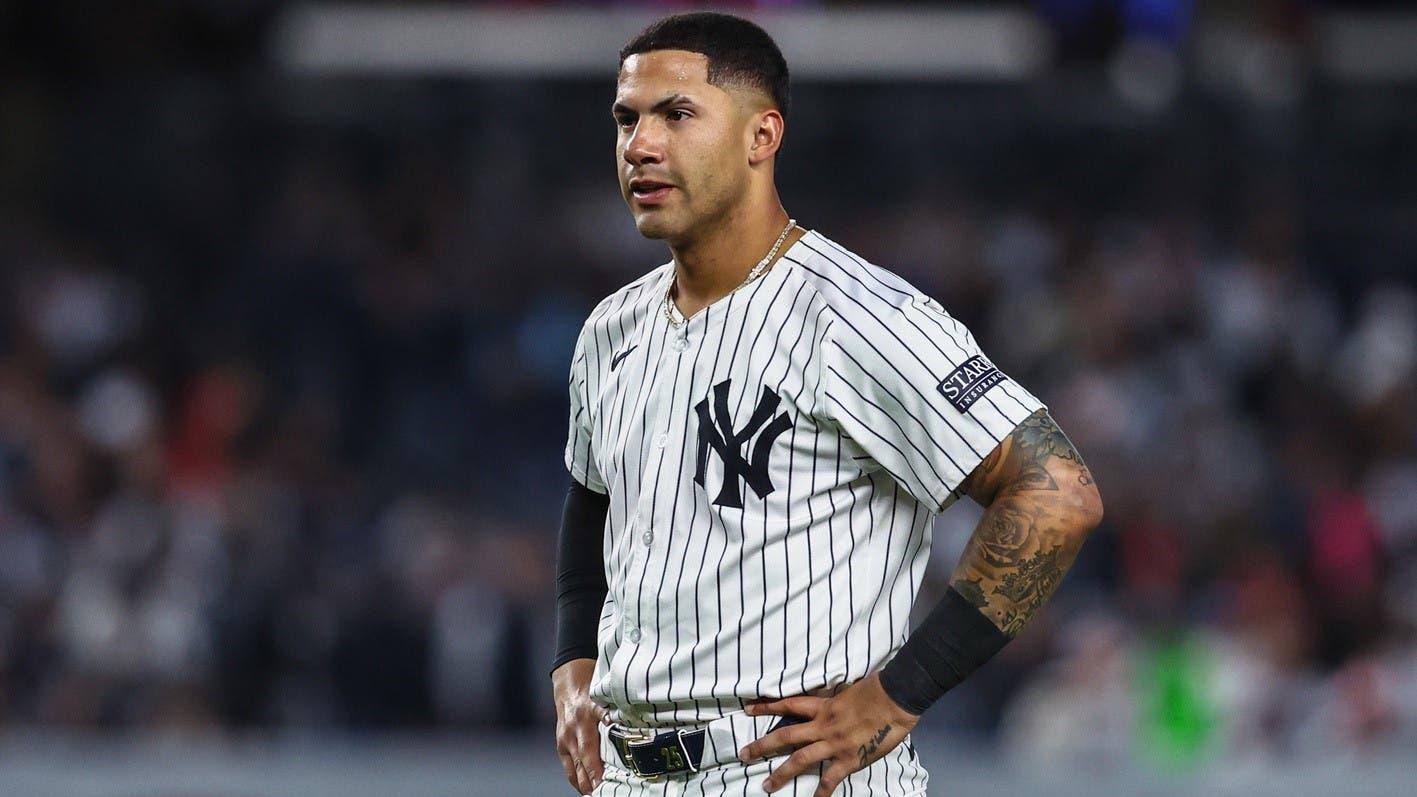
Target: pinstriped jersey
x: 773, y: 466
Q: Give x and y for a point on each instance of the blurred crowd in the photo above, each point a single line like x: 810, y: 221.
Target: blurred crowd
x: 282, y: 397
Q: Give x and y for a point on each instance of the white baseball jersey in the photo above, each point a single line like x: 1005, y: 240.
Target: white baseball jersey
x: 773, y: 466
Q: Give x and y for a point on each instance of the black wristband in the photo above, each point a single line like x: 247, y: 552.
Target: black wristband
x: 580, y: 573
x: 955, y: 639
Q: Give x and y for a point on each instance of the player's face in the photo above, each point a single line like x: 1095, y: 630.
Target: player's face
x: 681, y: 149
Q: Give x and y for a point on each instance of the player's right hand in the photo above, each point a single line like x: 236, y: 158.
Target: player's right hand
x: 577, y: 721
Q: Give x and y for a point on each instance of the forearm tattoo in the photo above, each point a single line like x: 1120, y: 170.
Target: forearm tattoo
x: 1042, y: 507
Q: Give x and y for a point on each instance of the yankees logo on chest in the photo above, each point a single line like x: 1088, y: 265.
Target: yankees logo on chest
x: 719, y: 434
x: 743, y: 451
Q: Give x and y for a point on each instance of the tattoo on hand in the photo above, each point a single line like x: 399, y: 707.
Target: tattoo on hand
x: 867, y: 750
x: 1032, y: 528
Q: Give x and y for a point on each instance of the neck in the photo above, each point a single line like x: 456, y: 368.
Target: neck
x: 715, y: 263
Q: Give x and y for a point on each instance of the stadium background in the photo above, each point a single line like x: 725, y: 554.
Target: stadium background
x: 287, y: 296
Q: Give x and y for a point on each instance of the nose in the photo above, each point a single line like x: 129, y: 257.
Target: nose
x: 645, y: 144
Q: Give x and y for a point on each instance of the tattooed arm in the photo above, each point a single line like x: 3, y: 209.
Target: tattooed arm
x: 1040, y: 503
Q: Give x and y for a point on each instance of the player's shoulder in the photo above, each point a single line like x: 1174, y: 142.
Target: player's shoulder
x: 847, y: 283
x: 630, y: 299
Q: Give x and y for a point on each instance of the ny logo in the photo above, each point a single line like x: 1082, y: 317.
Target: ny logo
x: 728, y: 444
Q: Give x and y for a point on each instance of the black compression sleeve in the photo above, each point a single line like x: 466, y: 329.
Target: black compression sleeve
x: 952, y: 643
x: 580, y: 573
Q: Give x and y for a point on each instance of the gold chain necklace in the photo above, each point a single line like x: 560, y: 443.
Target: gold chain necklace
x: 677, y: 319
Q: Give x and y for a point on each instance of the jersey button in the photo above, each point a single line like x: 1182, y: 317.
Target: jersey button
x: 634, y: 635
x: 648, y: 537
x: 660, y: 441
x: 679, y: 344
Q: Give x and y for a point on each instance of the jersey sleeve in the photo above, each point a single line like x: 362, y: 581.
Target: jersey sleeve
x: 580, y: 454
x: 912, y: 389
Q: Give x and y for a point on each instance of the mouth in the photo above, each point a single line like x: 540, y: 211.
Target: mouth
x: 649, y: 192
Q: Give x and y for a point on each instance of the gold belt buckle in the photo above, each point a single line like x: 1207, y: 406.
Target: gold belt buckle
x: 675, y: 759
x: 630, y: 739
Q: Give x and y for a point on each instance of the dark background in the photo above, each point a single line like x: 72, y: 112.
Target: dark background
x: 283, y: 370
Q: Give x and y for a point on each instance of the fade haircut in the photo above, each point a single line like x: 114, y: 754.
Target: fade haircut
x: 738, y: 51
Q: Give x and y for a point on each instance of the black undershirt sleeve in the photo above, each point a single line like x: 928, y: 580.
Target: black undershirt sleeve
x: 580, y: 573
x: 955, y: 639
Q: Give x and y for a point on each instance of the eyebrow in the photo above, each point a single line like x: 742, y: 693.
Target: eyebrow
x: 620, y: 108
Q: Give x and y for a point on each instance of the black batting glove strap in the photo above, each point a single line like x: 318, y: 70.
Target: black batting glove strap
x: 580, y: 573
x: 954, y: 641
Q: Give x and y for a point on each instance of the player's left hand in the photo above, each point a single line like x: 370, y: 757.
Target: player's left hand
x: 851, y: 729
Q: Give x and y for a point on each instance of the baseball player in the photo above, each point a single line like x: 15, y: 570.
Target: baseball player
x: 761, y: 431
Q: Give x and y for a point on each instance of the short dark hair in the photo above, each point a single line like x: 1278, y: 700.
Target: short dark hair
x: 738, y: 51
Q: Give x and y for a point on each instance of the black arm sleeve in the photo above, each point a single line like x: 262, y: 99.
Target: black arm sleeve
x: 952, y: 643
x: 580, y: 573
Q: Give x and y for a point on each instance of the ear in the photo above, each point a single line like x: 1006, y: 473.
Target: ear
x: 767, y: 128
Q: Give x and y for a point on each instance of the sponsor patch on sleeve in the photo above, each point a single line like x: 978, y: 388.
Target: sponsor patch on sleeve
x: 969, y: 381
